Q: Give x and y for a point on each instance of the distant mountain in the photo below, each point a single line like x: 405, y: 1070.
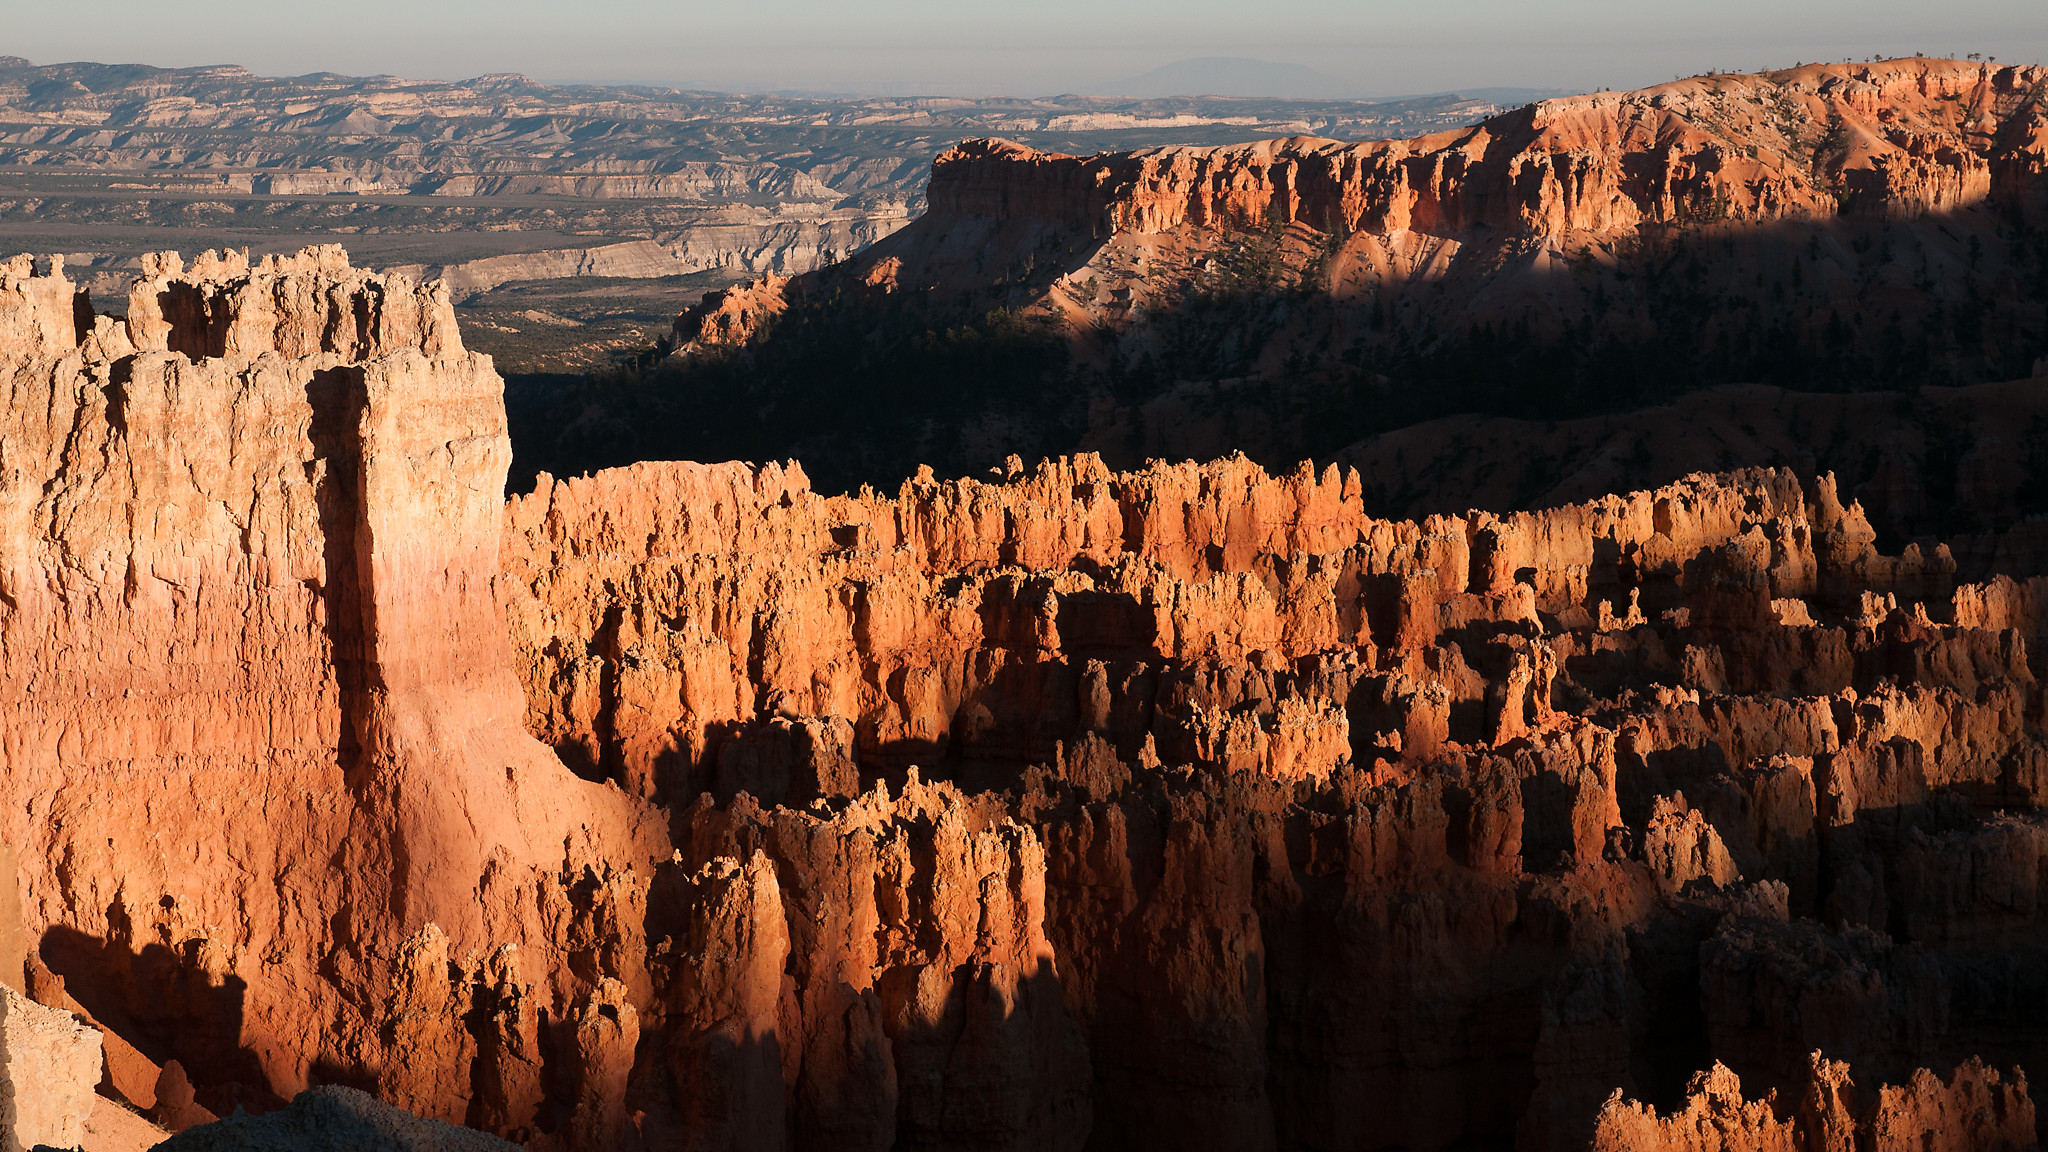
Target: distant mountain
x: 1233, y: 76
x: 1505, y: 97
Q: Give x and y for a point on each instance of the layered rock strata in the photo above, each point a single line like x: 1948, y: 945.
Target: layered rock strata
x: 262, y: 744
x: 1192, y: 806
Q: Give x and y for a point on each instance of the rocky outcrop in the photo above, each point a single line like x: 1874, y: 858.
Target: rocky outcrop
x: 321, y: 1118
x: 251, y: 538
x: 732, y: 316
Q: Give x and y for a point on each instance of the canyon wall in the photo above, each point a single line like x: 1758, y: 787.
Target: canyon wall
x: 1907, y: 136
x: 682, y: 806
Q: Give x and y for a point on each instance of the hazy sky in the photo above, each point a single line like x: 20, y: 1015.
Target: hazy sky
x: 1036, y: 47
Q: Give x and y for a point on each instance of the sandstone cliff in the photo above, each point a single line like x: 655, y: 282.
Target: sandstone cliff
x: 1188, y: 806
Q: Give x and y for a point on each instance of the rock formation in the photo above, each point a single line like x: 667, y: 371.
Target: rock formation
x: 49, y: 1063
x: 1654, y: 724
x: 1556, y: 182
x: 1829, y: 228
x: 250, y: 545
x: 683, y: 806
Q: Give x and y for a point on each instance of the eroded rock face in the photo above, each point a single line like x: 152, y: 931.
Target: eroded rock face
x: 1183, y: 807
x: 250, y: 542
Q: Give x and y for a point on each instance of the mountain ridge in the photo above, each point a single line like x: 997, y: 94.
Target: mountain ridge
x: 1231, y: 76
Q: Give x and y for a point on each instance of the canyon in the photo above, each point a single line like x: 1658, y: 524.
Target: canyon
x: 682, y: 805
x: 1671, y: 775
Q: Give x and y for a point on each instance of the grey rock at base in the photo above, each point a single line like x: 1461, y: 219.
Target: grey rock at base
x: 13, y: 938
x: 333, y: 1119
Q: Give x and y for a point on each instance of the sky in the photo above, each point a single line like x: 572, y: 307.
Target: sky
x: 1035, y: 48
